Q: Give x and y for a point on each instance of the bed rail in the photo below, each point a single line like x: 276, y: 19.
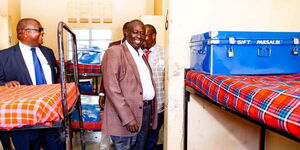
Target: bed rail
x: 66, y: 122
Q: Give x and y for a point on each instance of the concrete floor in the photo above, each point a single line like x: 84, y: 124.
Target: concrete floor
x: 92, y: 140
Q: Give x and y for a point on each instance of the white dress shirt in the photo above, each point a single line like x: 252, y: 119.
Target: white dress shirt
x: 27, y: 55
x: 148, y: 89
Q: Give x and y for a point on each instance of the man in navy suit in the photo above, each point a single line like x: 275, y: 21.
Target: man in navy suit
x: 17, y: 67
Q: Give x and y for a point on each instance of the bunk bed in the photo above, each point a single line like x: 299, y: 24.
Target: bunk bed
x: 271, y: 101
x: 44, y: 106
x: 89, y: 94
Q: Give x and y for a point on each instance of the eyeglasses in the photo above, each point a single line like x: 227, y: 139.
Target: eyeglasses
x: 39, y: 29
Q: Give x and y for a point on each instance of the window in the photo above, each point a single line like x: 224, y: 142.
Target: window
x: 87, y: 39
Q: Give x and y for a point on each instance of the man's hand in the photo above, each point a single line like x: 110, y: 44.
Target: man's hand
x: 101, y: 101
x: 132, y: 126
x: 12, y: 84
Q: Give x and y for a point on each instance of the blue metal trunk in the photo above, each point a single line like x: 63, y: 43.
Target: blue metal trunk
x: 245, y: 53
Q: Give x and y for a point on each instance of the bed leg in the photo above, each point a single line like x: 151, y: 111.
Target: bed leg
x: 262, y: 138
x: 82, y: 138
x: 185, y: 131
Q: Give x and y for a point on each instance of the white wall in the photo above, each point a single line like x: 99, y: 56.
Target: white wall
x: 215, y: 128
x: 191, y: 17
x: 158, y: 23
x: 49, y: 13
x: 9, y: 15
x: 4, y: 35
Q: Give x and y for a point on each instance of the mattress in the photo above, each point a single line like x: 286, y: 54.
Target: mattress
x: 272, y: 100
x: 34, y: 105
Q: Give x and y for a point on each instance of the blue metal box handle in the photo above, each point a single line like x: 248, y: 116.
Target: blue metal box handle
x: 264, y: 52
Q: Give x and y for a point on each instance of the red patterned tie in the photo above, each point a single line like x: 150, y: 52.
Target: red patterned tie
x: 147, y: 53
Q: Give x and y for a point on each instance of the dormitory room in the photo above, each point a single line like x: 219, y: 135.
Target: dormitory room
x: 149, y: 75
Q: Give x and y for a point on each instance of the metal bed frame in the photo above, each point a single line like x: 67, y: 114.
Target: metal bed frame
x: 66, y: 121
x: 64, y: 124
x: 188, y: 90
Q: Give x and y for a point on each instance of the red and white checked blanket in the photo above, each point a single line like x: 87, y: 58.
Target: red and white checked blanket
x: 270, y: 99
x: 32, y: 105
x: 82, y: 68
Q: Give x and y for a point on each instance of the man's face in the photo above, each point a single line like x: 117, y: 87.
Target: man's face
x: 136, y: 35
x: 149, y: 38
x: 33, y: 34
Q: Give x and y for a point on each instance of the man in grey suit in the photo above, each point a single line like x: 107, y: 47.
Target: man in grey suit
x: 30, y: 63
x: 130, y: 107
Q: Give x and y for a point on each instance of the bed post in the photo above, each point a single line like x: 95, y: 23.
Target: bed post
x: 262, y: 138
x: 186, y: 100
x: 66, y: 121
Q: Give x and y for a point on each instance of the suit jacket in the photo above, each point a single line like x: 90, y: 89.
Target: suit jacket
x: 158, y: 69
x: 124, y: 92
x: 13, y: 67
x: 114, y: 43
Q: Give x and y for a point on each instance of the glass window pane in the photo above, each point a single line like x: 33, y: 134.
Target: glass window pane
x: 81, y: 34
x: 104, y: 34
x: 103, y: 45
x: 99, y: 38
x: 82, y: 45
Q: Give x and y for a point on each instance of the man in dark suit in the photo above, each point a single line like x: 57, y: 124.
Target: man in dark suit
x: 130, y: 108
x: 30, y: 63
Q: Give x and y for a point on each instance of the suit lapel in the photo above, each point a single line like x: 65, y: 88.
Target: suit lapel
x: 131, y: 62
x: 148, y: 65
x: 20, y: 62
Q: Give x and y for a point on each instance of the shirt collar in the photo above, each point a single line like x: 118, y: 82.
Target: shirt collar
x: 24, y: 46
x: 132, y: 50
x: 152, y: 49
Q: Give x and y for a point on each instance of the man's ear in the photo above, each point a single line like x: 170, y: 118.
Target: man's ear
x: 154, y: 36
x: 126, y: 33
x: 22, y: 35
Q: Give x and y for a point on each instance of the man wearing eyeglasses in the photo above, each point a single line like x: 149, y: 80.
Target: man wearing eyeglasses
x: 30, y: 63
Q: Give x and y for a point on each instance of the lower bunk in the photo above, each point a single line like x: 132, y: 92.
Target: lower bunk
x: 35, y: 107
x: 271, y: 102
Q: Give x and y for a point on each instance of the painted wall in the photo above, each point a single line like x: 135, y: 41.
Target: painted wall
x: 49, y: 13
x: 218, y: 128
x: 158, y: 23
x: 14, y: 14
x: 4, y: 36
x: 158, y: 7
x: 191, y: 17
x: 9, y: 15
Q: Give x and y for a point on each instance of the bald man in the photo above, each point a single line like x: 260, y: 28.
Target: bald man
x: 18, y: 66
x: 130, y: 107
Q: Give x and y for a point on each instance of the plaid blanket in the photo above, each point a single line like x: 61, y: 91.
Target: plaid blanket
x: 270, y: 99
x: 82, y: 68
x: 35, y: 104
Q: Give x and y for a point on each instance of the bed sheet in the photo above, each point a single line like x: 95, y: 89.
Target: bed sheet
x: 269, y: 99
x: 34, y: 105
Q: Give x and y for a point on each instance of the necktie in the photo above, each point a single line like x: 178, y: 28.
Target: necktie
x: 147, y: 53
x: 39, y: 73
